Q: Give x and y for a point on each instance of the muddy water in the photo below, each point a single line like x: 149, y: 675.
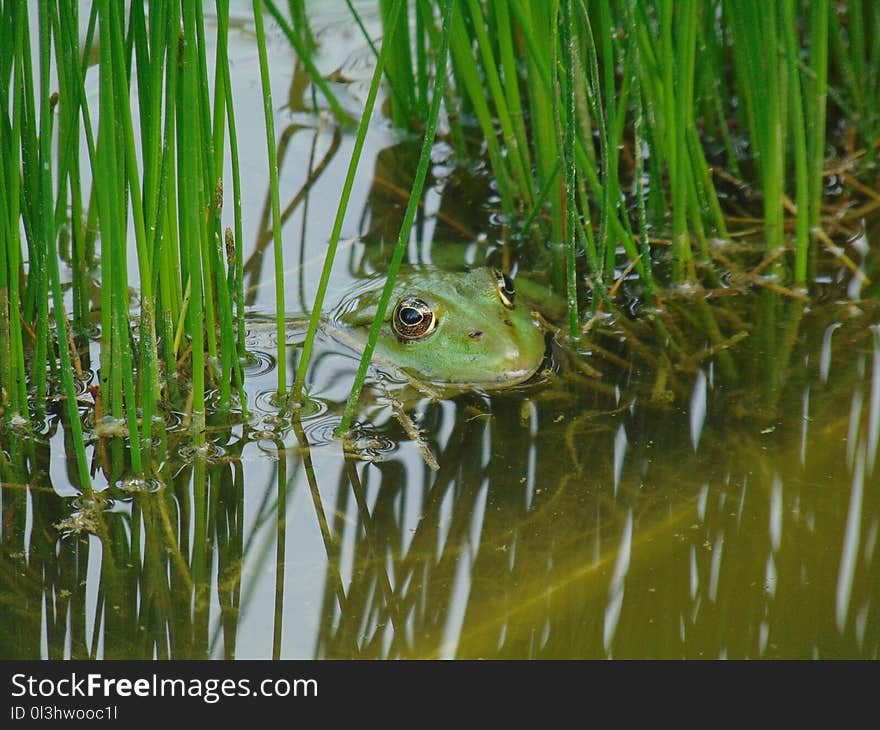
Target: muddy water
x: 654, y: 493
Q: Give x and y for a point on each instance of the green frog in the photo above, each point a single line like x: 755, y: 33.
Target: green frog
x: 452, y: 329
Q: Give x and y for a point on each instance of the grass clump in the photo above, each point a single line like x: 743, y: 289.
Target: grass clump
x: 650, y: 105
x: 151, y: 168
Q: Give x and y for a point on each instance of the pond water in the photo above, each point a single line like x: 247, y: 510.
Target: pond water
x: 698, y: 482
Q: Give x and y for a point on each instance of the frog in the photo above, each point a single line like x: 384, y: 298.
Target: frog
x: 459, y: 330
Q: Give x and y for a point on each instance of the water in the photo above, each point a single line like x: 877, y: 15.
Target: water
x: 639, y: 500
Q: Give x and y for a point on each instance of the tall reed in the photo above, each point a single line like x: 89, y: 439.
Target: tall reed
x: 354, y: 160
x: 609, y: 123
x: 152, y: 170
x: 645, y: 89
x: 408, y: 216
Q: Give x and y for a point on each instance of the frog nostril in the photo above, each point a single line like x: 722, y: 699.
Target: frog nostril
x: 508, y: 323
x: 475, y: 335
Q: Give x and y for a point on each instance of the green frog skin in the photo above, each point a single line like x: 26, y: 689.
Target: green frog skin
x: 462, y: 329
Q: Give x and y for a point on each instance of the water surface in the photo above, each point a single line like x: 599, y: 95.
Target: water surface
x: 632, y: 501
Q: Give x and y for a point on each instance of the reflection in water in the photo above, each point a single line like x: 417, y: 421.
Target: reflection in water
x: 713, y: 494
x: 564, y: 521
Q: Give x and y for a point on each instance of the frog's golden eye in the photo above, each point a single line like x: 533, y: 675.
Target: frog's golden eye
x: 413, y: 319
x: 505, y: 288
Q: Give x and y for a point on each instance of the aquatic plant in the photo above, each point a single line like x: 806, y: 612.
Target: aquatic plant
x: 615, y: 154
x: 616, y: 158
x: 626, y: 140
x: 154, y: 172
x: 612, y: 88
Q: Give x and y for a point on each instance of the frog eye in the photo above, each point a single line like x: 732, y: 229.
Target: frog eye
x: 505, y: 288
x: 413, y: 319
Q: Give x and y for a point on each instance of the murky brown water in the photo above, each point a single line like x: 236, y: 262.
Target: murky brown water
x: 717, y: 500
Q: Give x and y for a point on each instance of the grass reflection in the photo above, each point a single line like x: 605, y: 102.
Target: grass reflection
x: 537, y: 537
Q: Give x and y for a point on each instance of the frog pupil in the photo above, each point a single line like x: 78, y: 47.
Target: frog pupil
x: 413, y: 319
